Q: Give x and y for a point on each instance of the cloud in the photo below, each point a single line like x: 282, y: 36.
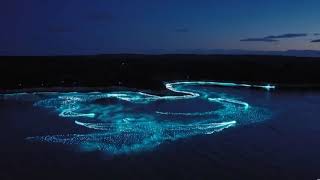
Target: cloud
x: 258, y: 40
x: 182, y: 30
x: 316, y: 41
x: 275, y: 38
x: 287, y: 36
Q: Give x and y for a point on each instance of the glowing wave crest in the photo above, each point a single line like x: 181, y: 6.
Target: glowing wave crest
x: 126, y: 121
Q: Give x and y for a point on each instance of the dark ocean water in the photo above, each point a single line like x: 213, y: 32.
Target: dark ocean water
x: 131, y: 135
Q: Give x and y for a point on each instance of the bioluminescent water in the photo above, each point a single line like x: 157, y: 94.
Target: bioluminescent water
x: 133, y: 121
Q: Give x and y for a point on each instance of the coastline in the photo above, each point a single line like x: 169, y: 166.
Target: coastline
x: 149, y: 72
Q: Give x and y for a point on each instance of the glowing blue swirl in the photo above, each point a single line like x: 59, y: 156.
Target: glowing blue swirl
x: 127, y: 121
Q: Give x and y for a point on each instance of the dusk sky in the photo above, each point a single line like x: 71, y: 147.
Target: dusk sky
x: 56, y: 27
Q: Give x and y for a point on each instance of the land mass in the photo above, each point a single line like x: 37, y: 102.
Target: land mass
x: 150, y: 71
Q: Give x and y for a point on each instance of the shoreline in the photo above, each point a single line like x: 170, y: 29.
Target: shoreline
x: 148, y: 72
x: 160, y: 90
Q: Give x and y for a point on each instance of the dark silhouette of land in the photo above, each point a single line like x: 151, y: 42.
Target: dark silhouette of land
x: 150, y: 71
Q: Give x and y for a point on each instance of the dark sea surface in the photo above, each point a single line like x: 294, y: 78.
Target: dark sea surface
x: 278, y: 137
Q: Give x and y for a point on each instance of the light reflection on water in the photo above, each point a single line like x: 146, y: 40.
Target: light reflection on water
x: 130, y: 121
